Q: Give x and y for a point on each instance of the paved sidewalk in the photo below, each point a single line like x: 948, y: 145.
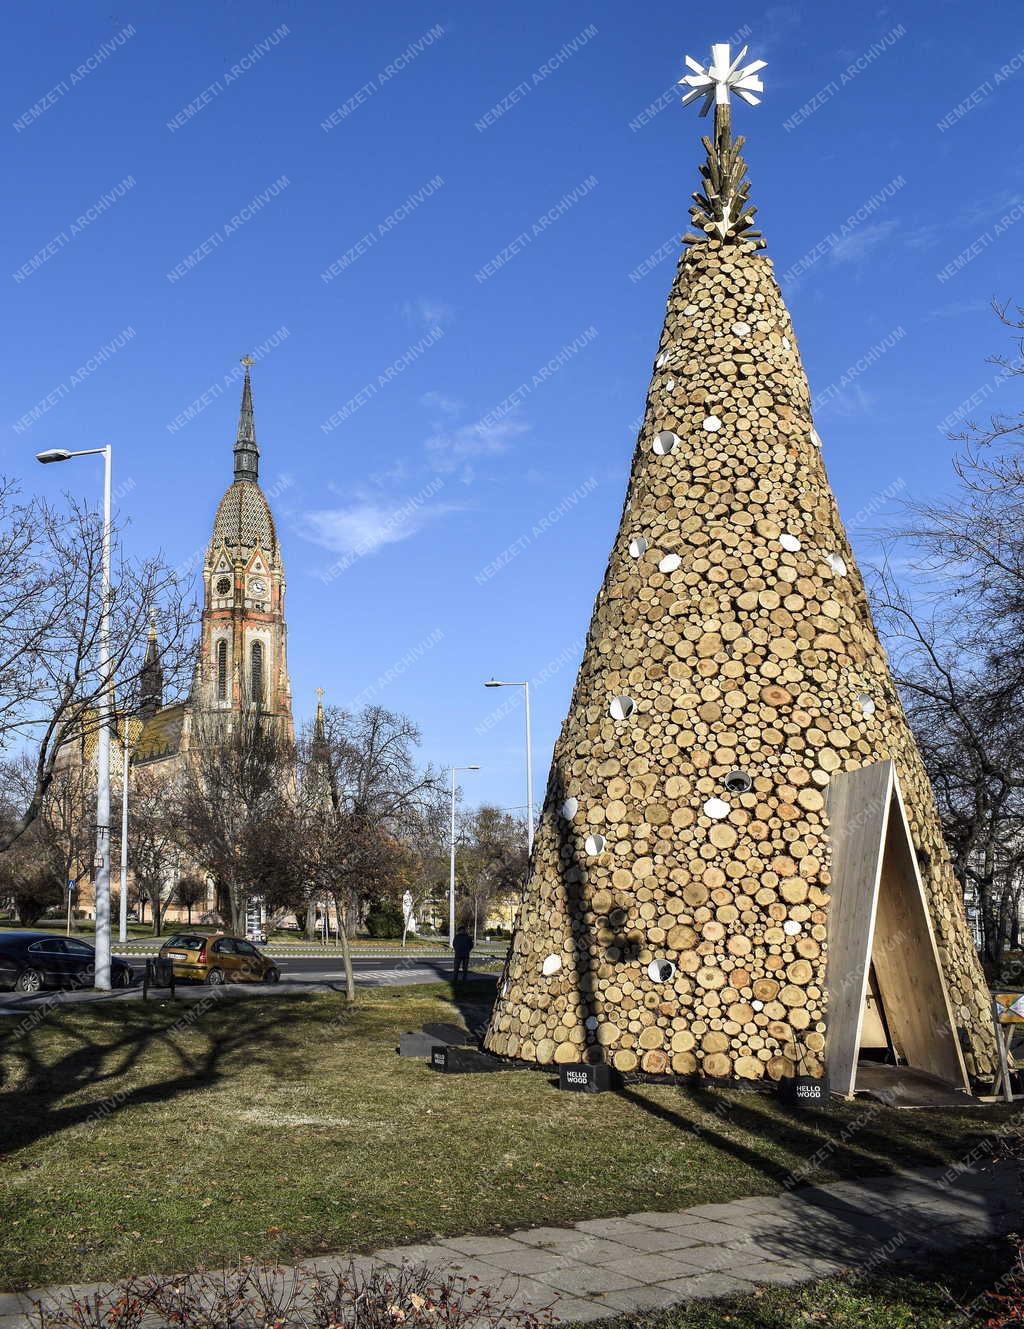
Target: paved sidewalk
x: 605, y: 1266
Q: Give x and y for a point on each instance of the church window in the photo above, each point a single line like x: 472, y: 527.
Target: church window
x: 256, y: 672
x: 222, y: 670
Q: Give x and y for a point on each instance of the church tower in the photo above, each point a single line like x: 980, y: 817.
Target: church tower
x: 243, y: 660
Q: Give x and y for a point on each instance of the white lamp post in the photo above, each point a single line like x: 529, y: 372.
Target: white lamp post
x: 122, y: 919
x: 495, y: 683
x: 451, y: 880
x: 102, y: 862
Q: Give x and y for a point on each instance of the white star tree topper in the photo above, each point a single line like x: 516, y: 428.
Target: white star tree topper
x: 721, y: 77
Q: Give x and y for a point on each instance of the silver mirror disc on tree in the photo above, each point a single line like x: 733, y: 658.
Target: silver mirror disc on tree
x: 665, y: 443
x: 594, y: 844
x: 790, y: 543
x: 837, y: 563
x: 791, y: 927
x: 866, y: 704
x: 551, y: 965
x: 570, y: 807
x: 621, y: 708
x: 716, y: 809
x: 711, y: 424
x: 669, y: 563
x: 661, y: 970
x: 638, y: 546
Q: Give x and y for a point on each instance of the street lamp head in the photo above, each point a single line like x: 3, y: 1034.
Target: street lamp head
x: 493, y: 683
x: 53, y: 454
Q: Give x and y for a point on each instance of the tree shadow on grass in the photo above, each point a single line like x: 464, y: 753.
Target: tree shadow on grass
x: 828, y: 1144
x: 111, y: 1055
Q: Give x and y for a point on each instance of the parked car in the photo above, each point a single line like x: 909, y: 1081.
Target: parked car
x: 218, y: 959
x: 31, y: 961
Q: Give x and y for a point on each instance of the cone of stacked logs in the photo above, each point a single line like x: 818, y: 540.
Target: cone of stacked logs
x: 676, y: 917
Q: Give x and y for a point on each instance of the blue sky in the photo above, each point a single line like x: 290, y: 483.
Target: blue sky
x: 447, y: 233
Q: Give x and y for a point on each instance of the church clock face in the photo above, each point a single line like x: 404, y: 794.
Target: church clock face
x: 257, y: 586
x: 223, y: 586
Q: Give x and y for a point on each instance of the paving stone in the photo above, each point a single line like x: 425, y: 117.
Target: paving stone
x: 602, y: 1250
x: 708, y: 1231
x: 649, y: 1240
x: 778, y: 1272
x: 707, y: 1285
x: 675, y: 1218
x: 581, y: 1246
x: 643, y: 1297
x: 569, y: 1309
x: 480, y: 1245
x: 421, y: 1254
x: 660, y: 1268
x: 588, y: 1281
x: 525, y: 1293
x: 525, y: 1260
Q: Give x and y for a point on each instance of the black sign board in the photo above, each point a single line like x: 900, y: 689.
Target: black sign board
x: 805, y: 1090
x: 462, y: 1061
x: 584, y: 1079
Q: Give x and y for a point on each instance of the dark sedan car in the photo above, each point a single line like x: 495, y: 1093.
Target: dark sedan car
x: 30, y: 961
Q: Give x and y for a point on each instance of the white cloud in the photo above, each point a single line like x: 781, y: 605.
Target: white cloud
x: 451, y: 407
x: 856, y: 246
x: 447, y: 450
x: 366, y: 526
x: 427, y: 312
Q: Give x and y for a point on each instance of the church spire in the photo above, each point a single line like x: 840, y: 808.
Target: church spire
x: 247, y: 454
x: 151, y: 676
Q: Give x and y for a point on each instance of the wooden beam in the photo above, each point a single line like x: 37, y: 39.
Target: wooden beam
x: 858, y: 811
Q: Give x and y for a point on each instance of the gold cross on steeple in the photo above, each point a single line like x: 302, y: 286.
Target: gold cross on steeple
x: 319, y: 694
x: 247, y: 360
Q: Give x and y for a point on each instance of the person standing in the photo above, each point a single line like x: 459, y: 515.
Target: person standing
x: 462, y: 944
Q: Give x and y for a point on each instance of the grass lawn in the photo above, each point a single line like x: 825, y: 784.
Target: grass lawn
x: 930, y: 1297
x: 148, y: 1137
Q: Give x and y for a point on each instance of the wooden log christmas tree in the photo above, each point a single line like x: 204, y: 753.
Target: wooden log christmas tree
x: 676, y: 917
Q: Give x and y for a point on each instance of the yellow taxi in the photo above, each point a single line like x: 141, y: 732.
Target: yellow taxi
x: 217, y: 959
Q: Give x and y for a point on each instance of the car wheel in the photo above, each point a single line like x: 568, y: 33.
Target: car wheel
x: 29, y: 981
x: 215, y: 977
x: 273, y: 975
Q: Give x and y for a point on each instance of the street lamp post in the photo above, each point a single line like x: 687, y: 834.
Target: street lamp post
x: 102, y: 863
x: 451, y: 879
x: 122, y: 920
x: 495, y: 683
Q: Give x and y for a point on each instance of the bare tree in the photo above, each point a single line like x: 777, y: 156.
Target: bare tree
x: 51, y: 685
x: 493, y: 861
x: 154, y: 841
x: 235, y: 803
x: 54, y: 849
x: 361, y: 798
x: 956, y: 633
x: 191, y: 891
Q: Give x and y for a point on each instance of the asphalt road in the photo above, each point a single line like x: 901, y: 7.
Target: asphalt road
x: 297, y: 975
